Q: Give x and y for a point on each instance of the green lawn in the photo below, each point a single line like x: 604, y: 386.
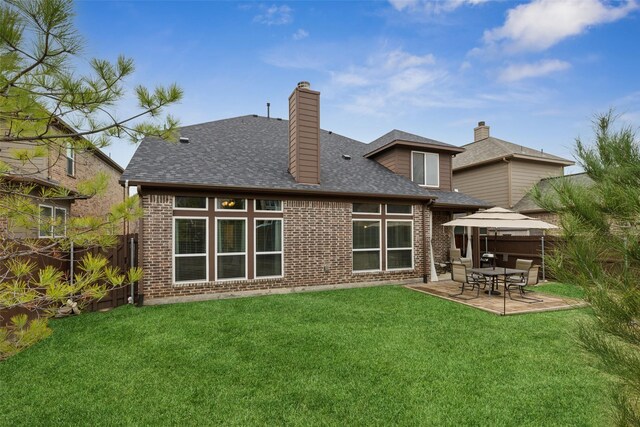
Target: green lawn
x: 374, y: 356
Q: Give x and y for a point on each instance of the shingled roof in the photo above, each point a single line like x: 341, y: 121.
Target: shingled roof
x: 251, y: 152
x: 527, y: 204
x: 398, y: 137
x: 489, y: 149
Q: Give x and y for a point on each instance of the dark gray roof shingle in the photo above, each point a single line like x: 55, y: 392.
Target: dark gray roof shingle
x: 398, y: 135
x: 251, y: 152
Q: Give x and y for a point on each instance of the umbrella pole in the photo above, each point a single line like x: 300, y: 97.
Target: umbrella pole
x: 543, y: 272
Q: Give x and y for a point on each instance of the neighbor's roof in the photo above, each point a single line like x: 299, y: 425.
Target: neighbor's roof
x: 251, y: 152
x: 396, y: 137
x: 493, y: 149
x: 527, y: 204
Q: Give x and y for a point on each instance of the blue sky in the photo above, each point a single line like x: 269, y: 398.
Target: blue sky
x: 536, y: 71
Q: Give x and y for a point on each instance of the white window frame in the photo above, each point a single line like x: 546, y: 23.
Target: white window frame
x: 386, y: 210
x: 424, y: 165
x: 255, y: 248
x: 174, y: 255
x: 255, y: 205
x: 246, y: 205
x: 379, y: 269
x: 386, y: 254
x: 206, y: 208
x: 366, y: 213
x: 64, y: 223
x: 70, y: 155
x: 246, y: 247
x: 54, y: 217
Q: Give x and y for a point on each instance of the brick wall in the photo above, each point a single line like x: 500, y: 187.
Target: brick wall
x: 441, y: 238
x: 317, y: 250
x: 87, y: 165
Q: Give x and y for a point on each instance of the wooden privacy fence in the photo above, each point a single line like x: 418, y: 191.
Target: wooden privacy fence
x: 512, y: 248
x: 121, y: 256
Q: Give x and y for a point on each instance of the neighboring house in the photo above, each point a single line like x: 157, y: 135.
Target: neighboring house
x: 501, y: 172
x: 62, y: 168
x: 528, y: 206
x: 255, y: 203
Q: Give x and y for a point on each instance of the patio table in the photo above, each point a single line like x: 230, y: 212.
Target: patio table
x: 494, y: 273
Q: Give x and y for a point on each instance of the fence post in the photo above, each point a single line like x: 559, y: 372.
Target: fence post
x: 544, y: 278
x: 132, y: 264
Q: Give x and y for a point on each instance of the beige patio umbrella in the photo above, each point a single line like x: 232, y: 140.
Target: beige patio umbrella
x: 500, y: 218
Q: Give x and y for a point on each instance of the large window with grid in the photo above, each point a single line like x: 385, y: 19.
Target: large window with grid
x: 268, y: 247
x: 399, y: 244
x: 190, y: 249
x: 231, y: 248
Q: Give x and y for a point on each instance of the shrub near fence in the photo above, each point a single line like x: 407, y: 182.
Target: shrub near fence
x: 118, y: 256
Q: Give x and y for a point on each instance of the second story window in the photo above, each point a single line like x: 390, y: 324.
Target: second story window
x: 425, y: 168
x: 71, y: 166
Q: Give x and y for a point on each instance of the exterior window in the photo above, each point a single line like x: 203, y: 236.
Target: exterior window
x: 366, y: 208
x: 52, y: 222
x: 231, y: 204
x: 268, y: 205
x: 187, y: 202
x: 268, y: 247
x: 399, y: 244
x: 231, y: 249
x: 400, y: 209
x: 366, y: 245
x: 425, y: 168
x: 71, y: 167
x: 190, y: 249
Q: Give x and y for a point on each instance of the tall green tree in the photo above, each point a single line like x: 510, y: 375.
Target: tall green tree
x: 47, y: 106
x: 600, y: 251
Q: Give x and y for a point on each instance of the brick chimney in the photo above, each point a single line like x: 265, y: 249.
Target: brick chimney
x: 481, y: 132
x: 304, y: 134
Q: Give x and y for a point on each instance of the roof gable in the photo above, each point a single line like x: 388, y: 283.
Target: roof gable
x: 494, y: 149
x: 398, y: 137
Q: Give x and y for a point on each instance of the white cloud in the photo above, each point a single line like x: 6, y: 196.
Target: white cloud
x: 515, y: 72
x: 432, y: 6
x: 300, y: 34
x: 274, y: 15
x: 388, y: 81
x: 540, y: 24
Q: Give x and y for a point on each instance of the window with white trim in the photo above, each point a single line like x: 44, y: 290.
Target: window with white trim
x: 399, y: 244
x: 190, y: 202
x: 366, y: 245
x: 231, y: 248
x: 71, y: 160
x: 425, y: 168
x: 268, y: 205
x: 190, y: 249
x: 373, y: 208
x: 400, y: 209
x: 231, y: 205
x: 268, y: 247
x: 52, y: 221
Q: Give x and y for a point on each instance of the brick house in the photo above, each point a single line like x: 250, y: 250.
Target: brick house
x: 61, y: 168
x: 256, y: 203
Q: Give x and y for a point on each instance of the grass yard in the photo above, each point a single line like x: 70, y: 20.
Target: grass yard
x: 382, y: 355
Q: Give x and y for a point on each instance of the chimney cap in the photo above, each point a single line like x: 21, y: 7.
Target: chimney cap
x: 304, y: 85
x: 481, y: 123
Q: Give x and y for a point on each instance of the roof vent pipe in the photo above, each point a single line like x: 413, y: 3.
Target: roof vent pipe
x: 268, y: 108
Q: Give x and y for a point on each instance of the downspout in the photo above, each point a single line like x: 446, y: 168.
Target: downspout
x: 125, y: 235
x: 425, y: 261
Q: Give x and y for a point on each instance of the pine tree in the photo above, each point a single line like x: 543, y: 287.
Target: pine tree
x: 600, y: 252
x: 46, y: 107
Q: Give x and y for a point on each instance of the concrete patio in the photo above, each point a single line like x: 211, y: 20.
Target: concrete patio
x: 497, y: 304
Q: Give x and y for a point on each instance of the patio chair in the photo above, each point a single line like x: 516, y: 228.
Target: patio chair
x: 454, y: 255
x: 467, y: 262
x: 521, y: 264
x: 459, y: 274
x: 530, y: 279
